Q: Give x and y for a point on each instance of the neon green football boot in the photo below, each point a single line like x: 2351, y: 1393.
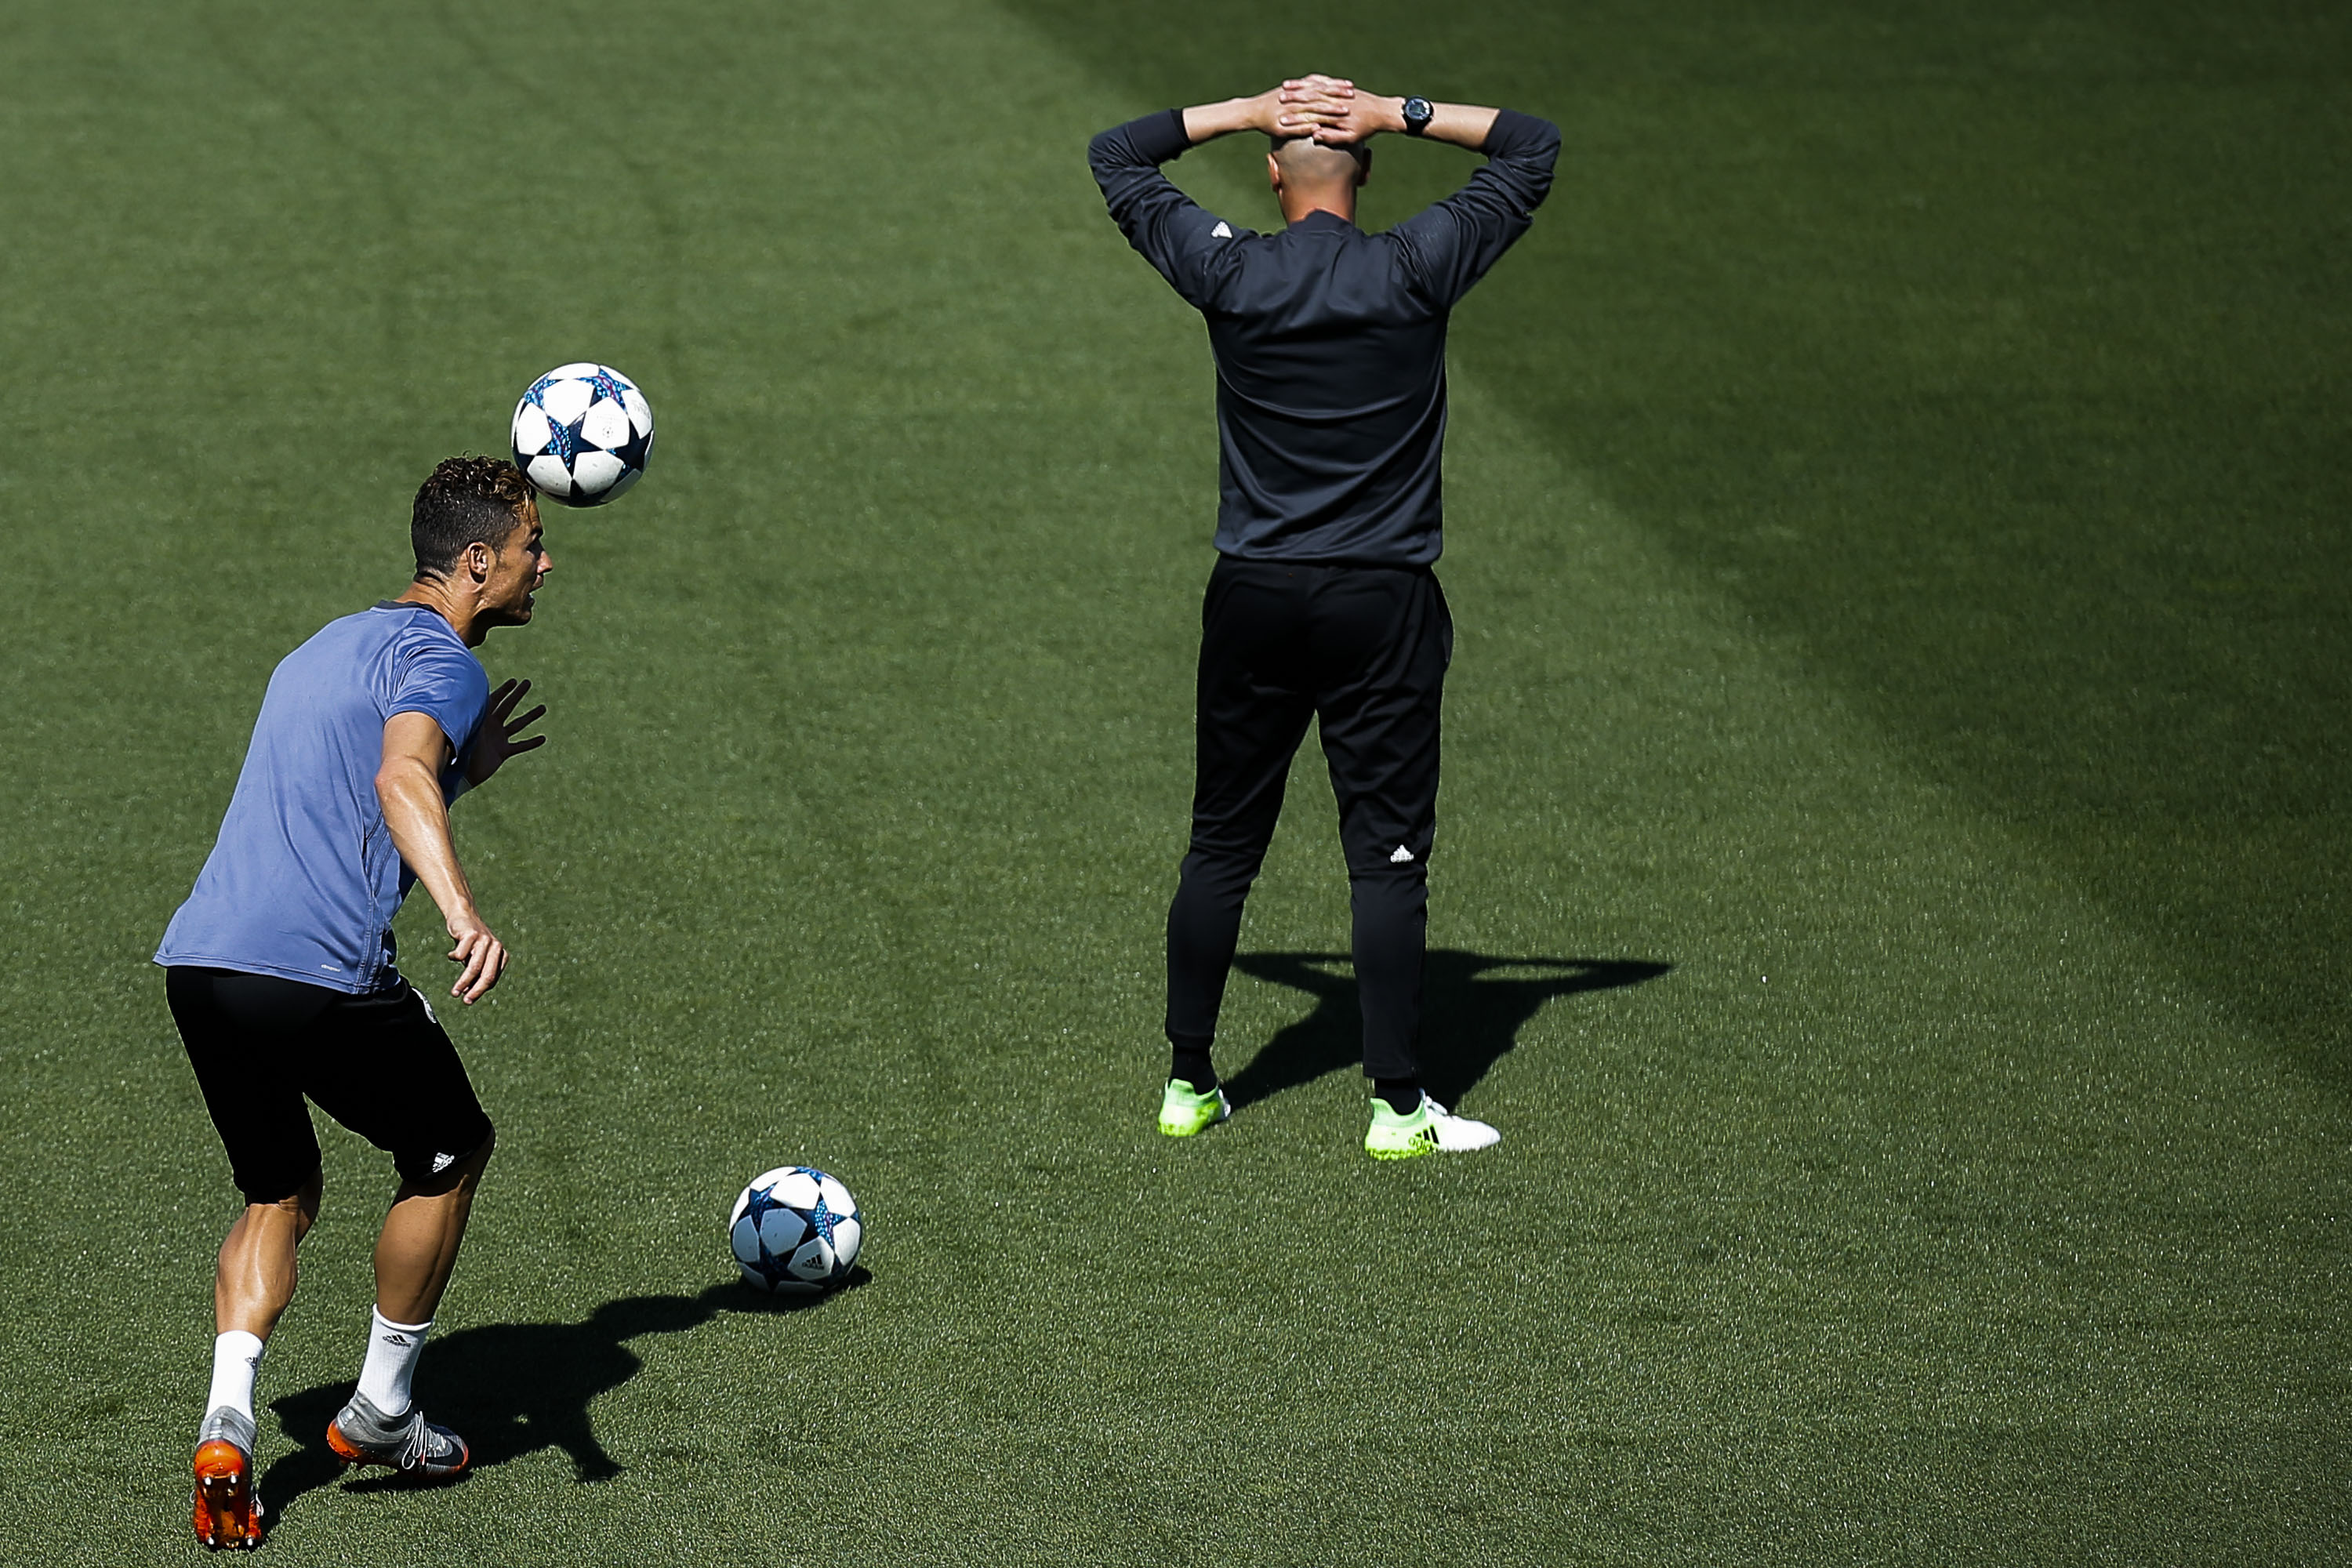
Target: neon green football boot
x: 1183, y: 1112
x: 1430, y: 1129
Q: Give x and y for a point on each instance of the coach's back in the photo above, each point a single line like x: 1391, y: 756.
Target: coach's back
x: 1330, y: 342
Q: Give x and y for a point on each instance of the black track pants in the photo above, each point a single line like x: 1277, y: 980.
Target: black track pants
x: 1363, y: 649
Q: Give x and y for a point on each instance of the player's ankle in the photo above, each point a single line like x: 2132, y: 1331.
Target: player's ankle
x: 236, y: 1357
x: 391, y: 1363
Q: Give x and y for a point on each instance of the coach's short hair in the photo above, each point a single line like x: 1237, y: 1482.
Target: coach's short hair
x: 1304, y: 158
x: 465, y: 501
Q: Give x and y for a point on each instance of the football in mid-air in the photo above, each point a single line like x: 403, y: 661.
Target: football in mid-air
x: 583, y: 432
x: 795, y: 1231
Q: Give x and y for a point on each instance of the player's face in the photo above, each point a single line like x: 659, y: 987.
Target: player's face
x: 520, y: 565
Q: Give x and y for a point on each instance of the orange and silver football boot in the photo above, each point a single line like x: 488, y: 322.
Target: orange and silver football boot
x: 363, y: 1434
x: 228, y: 1516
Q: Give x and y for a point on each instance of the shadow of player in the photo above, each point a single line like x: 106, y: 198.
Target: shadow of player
x: 1473, y: 1007
x: 511, y: 1389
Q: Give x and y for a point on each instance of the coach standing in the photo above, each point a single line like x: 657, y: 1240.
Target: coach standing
x: 1330, y: 354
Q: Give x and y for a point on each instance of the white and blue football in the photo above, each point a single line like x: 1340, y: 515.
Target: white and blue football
x: 582, y: 434
x: 795, y: 1231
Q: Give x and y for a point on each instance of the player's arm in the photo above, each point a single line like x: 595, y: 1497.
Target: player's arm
x: 408, y: 784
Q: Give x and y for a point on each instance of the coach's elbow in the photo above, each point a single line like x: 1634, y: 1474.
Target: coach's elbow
x: 1111, y: 155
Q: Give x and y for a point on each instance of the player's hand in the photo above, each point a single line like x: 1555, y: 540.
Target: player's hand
x: 496, y: 741
x: 483, y: 955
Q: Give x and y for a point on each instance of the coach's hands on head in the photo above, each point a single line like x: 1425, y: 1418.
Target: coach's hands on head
x: 1341, y: 116
x: 496, y: 741
x: 1272, y: 112
x: 1330, y: 109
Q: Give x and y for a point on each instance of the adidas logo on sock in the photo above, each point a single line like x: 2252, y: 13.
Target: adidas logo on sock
x: 1400, y: 856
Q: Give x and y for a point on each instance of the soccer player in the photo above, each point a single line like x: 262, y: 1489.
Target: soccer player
x: 1330, y: 354
x: 280, y: 974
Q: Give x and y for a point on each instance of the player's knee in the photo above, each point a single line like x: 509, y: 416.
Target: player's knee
x: 306, y: 1207
x: 296, y: 1200
x: 289, y: 1210
x: 469, y: 1169
x: 425, y: 1173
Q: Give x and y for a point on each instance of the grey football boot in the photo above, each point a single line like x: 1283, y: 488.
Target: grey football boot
x: 363, y: 1434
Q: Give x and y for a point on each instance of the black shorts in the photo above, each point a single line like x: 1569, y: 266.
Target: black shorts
x: 380, y: 1064
x: 1362, y: 650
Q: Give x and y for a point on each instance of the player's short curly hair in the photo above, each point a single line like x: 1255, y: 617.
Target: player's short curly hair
x: 465, y: 501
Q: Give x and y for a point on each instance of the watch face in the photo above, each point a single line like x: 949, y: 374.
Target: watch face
x: 1418, y: 112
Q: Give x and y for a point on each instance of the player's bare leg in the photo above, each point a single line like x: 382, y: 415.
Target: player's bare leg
x: 252, y: 1283
x: 415, y: 1255
x: 256, y: 1276
x: 418, y: 1245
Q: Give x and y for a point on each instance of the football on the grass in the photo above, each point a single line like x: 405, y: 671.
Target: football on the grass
x: 795, y: 1231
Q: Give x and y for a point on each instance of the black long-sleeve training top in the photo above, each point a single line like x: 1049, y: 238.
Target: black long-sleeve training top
x: 1329, y: 341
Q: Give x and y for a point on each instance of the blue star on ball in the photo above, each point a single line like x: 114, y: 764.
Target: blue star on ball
x: 563, y: 440
x: 607, y: 384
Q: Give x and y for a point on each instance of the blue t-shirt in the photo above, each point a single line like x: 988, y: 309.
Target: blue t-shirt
x: 303, y: 880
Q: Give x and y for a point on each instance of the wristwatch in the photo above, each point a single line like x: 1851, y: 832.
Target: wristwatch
x: 1418, y: 113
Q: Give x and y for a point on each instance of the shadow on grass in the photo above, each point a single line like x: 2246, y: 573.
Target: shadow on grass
x: 511, y: 1389
x: 1473, y: 1007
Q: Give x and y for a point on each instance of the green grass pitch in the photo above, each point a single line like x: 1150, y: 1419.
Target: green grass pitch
x: 1893, y: 887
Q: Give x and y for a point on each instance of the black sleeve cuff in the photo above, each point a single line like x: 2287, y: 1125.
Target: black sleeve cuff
x: 1515, y: 133
x: 1158, y: 137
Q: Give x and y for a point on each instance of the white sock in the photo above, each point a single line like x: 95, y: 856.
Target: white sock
x: 236, y: 1356
x: 392, y: 1352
